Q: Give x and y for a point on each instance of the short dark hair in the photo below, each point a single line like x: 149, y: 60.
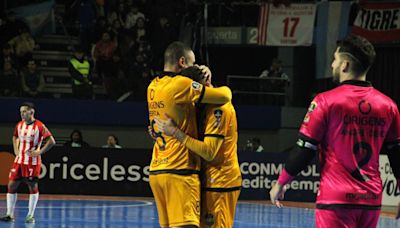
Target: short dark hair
x: 194, y: 73
x: 362, y: 52
x: 175, y: 51
x: 30, y: 105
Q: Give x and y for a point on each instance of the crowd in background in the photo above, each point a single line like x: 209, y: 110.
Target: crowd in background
x: 123, y: 40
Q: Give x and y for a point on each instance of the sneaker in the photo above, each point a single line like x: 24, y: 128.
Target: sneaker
x: 7, y: 218
x: 30, y: 219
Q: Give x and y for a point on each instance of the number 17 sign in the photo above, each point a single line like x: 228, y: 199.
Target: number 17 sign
x: 290, y: 26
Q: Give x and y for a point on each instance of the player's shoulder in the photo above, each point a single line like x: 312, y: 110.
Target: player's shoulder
x: 39, y: 123
x: 19, y: 123
x: 182, y: 82
x: 226, y: 108
x: 384, y: 98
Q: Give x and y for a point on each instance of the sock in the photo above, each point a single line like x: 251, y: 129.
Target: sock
x: 11, y: 201
x: 33, y: 199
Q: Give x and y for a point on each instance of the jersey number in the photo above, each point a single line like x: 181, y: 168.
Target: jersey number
x: 30, y: 172
x: 363, y: 153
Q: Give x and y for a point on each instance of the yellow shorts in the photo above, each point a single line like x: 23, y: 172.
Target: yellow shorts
x: 218, y: 208
x: 177, y: 198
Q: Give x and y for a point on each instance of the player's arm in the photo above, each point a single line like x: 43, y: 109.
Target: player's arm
x: 298, y: 160
x: 50, y: 142
x: 188, y: 91
x: 207, y: 149
x: 16, y: 145
x: 311, y: 133
x: 219, y: 95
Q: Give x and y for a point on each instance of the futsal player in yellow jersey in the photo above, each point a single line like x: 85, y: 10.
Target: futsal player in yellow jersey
x: 222, y: 178
x: 174, y: 170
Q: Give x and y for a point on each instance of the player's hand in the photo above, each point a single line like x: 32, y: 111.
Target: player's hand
x: 276, y: 194
x: 34, y: 153
x: 206, y: 72
x: 151, y: 133
x: 398, y: 212
x: 167, y: 126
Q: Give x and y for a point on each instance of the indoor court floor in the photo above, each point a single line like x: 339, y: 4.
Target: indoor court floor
x: 93, y: 211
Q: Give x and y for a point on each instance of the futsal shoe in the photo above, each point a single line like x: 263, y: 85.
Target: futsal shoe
x: 7, y: 218
x: 30, y: 219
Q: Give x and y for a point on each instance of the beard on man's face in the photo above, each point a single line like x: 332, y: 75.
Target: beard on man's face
x: 336, y: 75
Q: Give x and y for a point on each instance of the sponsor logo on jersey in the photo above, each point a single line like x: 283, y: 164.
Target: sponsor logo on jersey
x: 312, y: 107
x: 196, y: 85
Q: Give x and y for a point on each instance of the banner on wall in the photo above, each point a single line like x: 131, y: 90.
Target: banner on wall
x: 125, y: 172
x: 286, y: 26
x: 378, y: 22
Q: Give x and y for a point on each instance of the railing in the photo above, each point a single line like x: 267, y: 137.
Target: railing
x: 256, y: 90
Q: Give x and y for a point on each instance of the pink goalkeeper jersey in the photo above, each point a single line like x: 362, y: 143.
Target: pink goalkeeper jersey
x: 351, y: 124
x: 30, y: 138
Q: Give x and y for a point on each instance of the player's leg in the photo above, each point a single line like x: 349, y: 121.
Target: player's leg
x: 183, y: 200
x: 369, y: 218
x: 218, y: 208
x: 33, y: 198
x: 31, y: 174
x: 340, y: 217
x: 157, y: 183
x: 13, y: 183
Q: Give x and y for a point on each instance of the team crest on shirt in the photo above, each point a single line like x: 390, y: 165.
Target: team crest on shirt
x: 196, y: 85
x: 312, y: 107
x: 218, y: 117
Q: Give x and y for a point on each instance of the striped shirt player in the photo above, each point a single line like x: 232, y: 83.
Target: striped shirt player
x: 349, y: 126
x: 28, y: 138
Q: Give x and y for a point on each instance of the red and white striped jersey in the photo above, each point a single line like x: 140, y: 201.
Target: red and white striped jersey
x: 30, y: 138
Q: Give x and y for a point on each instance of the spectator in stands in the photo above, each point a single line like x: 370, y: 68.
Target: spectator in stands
x: 103, y: 53
x: 23, y: 45
x: 256, y: 144
x: 111, y: 17
x: 275, y: 71
x: 277, y: 83
x: 7, y: 55
x: 141, y: 76
x: 32, y: 80
x: 76, y: 140
x: 101, y: 27
x: 112, y: 142
x: 249, y: 146
x: 117, y: 31
x: 9, y: 80
x: 133, y: 15
x: 139, y: 31
x: 79, y: 68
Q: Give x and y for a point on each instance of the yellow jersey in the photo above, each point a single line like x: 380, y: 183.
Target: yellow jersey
x: 223, y: 171
x: 176, y: 96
